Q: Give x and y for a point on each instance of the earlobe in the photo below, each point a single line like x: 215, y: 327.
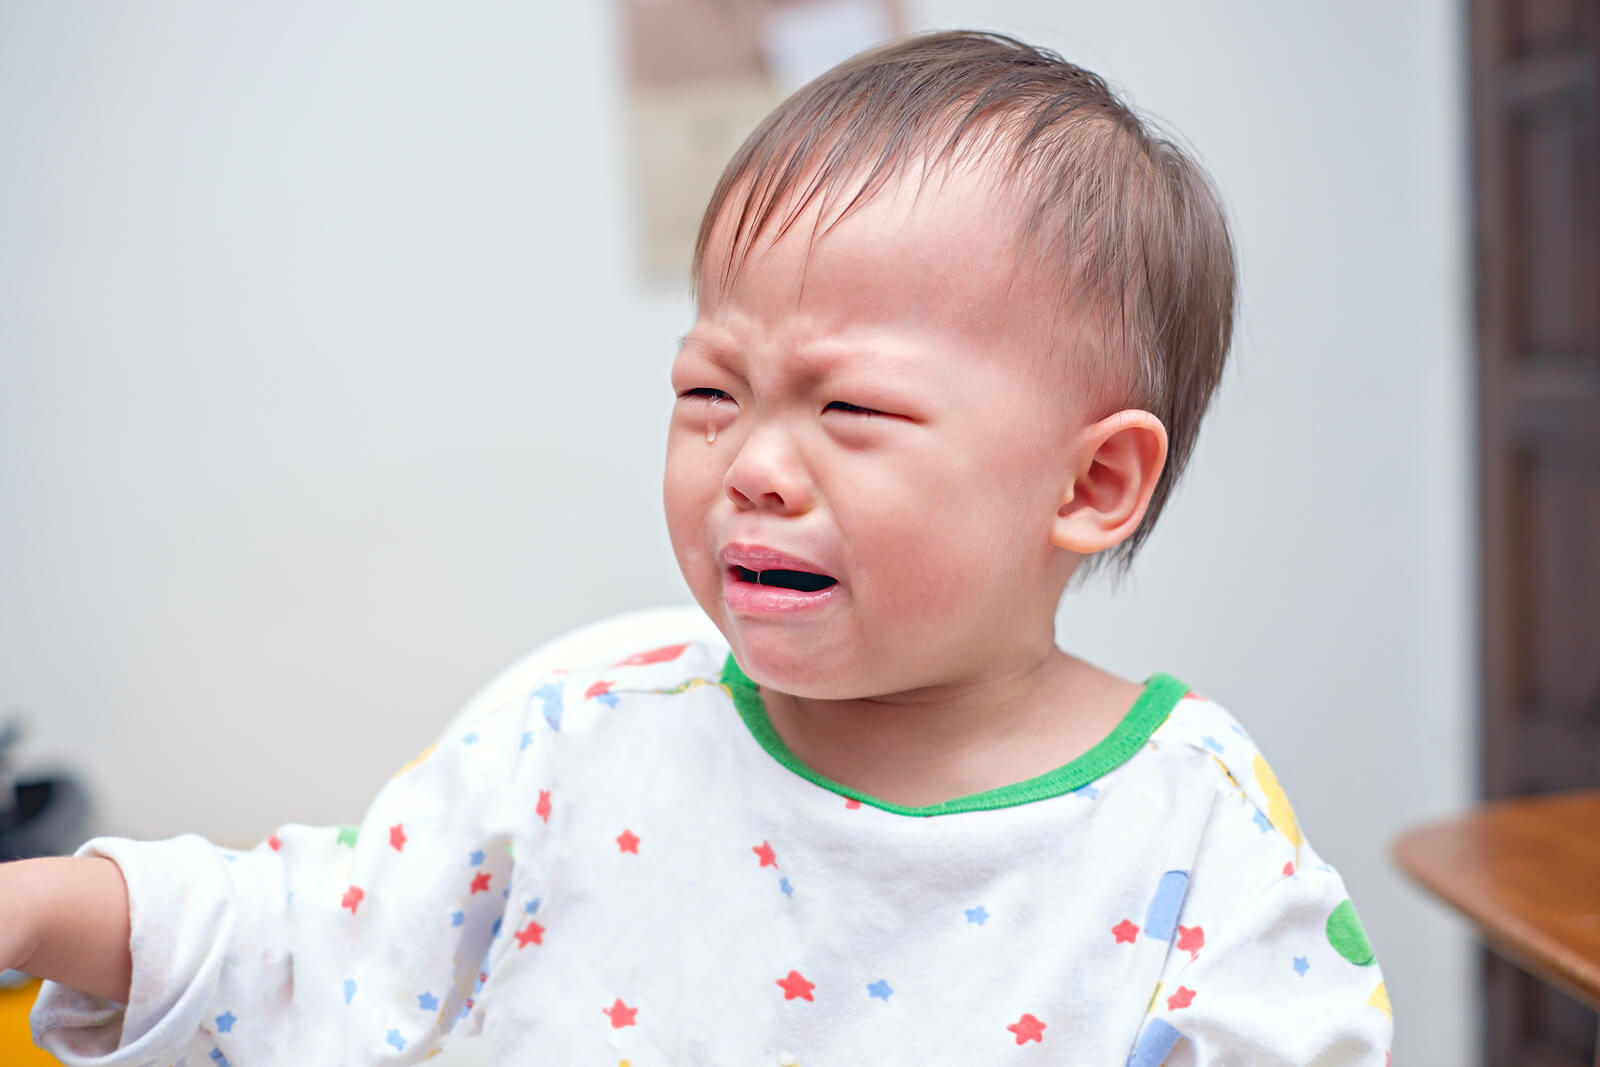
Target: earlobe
x: 1122, y: 457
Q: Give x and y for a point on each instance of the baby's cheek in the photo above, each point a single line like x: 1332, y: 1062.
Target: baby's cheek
x: 684, y: 497
x: 929, y: 572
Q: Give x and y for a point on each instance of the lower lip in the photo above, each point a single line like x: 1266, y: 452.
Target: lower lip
x: 749, y: 598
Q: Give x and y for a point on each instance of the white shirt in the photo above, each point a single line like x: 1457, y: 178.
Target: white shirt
x: 627, y: 866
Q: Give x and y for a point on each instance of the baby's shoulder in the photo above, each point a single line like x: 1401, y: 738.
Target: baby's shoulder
x: 1201, y: 725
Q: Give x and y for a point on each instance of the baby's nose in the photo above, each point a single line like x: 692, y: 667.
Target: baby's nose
x: 767, y: 475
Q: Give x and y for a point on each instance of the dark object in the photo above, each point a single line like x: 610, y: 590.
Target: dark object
x: 1535, y: 68
x: 46, y: 816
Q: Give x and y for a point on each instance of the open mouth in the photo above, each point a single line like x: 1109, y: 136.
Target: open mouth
x: 802, y: 581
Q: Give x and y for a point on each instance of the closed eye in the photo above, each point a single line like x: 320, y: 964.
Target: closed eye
x: 853, y: 409
x: 705, y: 393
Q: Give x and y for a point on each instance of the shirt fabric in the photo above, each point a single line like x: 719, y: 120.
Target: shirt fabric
x: 628, y: 867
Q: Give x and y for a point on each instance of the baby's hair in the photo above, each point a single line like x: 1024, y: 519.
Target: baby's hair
x: 1122, y: 217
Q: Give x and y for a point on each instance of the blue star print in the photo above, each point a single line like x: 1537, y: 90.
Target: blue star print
x: 551, y: 697
x: 225, y: 1022
x: 880, y: 989
x: 396, y: 1040
x: 1212, y: 743
x: 221, y: 1060
x: 608, y: 699
x: 1262, y: 821
x: 527, y: 738
x: 470, y: 739
x: 349, y: 989
x: 428, y: 1002
x: 783, y: 884
x: 1301, y: 966
x: 1088, y: 792
x: 977, y: 915
x: 477, y: 857
x: 532, y: 906
x: 457, y: 918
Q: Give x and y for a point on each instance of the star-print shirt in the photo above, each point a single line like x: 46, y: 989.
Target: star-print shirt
x: 628, y: 867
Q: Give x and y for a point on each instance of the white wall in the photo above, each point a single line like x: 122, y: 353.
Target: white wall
x: 327, y: 386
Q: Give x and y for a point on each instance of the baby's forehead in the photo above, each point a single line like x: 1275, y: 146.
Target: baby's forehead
x: 932, y: 257
x: 919, y: 203
x: 930, y: 251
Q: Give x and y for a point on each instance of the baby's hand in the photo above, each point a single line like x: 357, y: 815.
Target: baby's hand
x: 67, y: 920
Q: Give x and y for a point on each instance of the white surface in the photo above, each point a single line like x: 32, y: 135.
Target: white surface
x: 327, y: 389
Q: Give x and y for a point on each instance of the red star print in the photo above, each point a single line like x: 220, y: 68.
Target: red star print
x: 1288, y: 870
x: 628, y: 841
x: 597, y: 688
x: 273, y: 843
x: 532, y: 934
x: 352, y: 899
x: 655, y: 655
x: 542, y: 809
x: 1181, y: 999
x: 480, y: 882
x: 1191, y: 939
x: 852, y: 803
x: 397, y: 836
x: 621, y: 1015
x: 769, y: 858
x: 796, y: 987
x: 1125, y: 931
x: 1027, y: 1029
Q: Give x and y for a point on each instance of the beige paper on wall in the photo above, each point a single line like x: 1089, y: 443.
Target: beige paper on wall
x: 702, y: 74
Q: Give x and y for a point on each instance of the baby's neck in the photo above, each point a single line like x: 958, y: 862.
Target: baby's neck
x: 936, y: 745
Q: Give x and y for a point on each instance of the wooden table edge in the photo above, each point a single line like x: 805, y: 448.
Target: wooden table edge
x: 1523, y: 944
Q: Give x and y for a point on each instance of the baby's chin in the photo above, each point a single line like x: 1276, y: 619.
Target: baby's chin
x: 808, y: 672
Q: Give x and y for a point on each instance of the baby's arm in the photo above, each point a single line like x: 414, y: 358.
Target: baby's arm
x: 322, y: 944
x: 67, y: 920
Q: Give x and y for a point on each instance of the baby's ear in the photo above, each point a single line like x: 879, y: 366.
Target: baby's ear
x: 1117, y: 462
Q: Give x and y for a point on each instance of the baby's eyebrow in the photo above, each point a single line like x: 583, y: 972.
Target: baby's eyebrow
x: 823, y: 362
x: 807, y: 363
x: 699, y: 342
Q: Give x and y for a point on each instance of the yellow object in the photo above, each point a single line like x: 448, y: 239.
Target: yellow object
x: 1380, y: 1000
x: 16, y: 1041
x: 1279, y: 813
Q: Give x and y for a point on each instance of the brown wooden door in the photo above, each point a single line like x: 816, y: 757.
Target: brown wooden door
x: 1536, y: 170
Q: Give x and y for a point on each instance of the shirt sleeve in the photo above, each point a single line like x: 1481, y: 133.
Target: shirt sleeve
x: 1286, y: 978
x: 321, y: 945
x: 1268, y: 963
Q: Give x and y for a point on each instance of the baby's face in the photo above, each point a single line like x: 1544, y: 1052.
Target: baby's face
x: 873, y: 413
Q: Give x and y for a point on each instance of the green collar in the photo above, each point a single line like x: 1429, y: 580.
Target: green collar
x: 1161, y: 694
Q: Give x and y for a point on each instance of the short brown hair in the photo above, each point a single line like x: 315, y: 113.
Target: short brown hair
x: 1128, y: 222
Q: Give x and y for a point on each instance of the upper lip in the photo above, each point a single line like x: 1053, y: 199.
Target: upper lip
x: 761, y: 558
